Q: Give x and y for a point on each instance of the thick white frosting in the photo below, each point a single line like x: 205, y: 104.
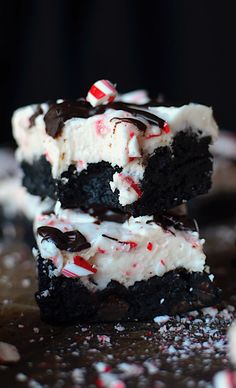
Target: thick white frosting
x: 157, y: 251
x: 102, y: 138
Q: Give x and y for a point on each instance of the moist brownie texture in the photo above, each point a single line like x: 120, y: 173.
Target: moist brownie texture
x: 172, y: 176
x: 63, y: 300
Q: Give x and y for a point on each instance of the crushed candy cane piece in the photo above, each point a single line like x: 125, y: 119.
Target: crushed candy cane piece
x: 134, y: 148
x: 8, y: 353
x: 161, y: 319
x: 104, y: 339
x: 102, y: 367
x: 78, y: 260
x: 102, y: 91
x: 132, y: 184
x: 149, y: 246
x: 224, y: 379
x: 132, y: 244
x: 80, y: 267
x: 166, y: 128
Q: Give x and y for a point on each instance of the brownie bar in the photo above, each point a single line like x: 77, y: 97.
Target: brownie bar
x: 172, y: 176
x: 64, y: 300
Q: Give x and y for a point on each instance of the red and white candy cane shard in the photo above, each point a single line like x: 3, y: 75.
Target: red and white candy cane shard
x: 166, y: 127
x: 101, y: 92
x: 132, y: 184
x: 78, y: 260
x: 224, y: 379
x: 79, y: 268
x: 133, y: 147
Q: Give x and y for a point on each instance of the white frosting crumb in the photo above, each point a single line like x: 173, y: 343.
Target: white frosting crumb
x: 8, y: 353
x: 21, y: 377
x: 212, y: 311
x: 161, y: 319
x: 78, y: 375
x: 127, y: 194
x: 211, y: 277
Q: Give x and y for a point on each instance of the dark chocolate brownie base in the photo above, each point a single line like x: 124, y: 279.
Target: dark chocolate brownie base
x: 173, y: 175
x: 68, y: 300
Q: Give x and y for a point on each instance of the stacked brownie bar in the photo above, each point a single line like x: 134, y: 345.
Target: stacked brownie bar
x: 118, y: 244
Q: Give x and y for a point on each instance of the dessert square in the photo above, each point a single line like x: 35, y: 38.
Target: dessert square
x: 138, y: 158
x: 102, y: 265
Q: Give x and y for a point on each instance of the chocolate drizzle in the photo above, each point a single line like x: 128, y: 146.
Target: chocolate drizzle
x: 104, y: 214
x: 178, y: 222
x: 139, y: 124
x: 110, y: 238
x: 72, y: 241
x: 37, y: 113
x: 59, y: 113
x: 176, y: 218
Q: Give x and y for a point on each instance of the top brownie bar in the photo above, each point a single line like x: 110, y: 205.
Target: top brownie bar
x: 130, y: 154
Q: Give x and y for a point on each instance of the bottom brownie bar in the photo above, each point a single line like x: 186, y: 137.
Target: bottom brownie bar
x: 64, y: 300
x: 101, y: 265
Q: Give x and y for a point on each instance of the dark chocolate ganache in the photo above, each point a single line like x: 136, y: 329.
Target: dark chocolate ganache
x: 72, y: 241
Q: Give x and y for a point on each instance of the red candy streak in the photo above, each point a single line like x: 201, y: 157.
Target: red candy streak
x: 132, y: 244
x: 78, y: 260
x: 149, y: 246
x: 133, y: 185
x: 68, y: 273
x: 231, y: 379
x: 100, y: 250
x: 165, y: 129
x: 46, y: 154
x: 153, y: 135
x: 97, y: 92
x: 50, y: 223
x: 99, y: 383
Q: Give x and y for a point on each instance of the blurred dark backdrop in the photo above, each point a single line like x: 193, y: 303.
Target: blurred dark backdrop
x: 57, y: 48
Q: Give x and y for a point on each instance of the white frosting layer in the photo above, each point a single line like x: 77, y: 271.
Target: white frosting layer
x: 105, y: 138
x: 143, y: 249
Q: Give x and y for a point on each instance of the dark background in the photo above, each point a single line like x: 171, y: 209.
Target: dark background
x: 184, y: 49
